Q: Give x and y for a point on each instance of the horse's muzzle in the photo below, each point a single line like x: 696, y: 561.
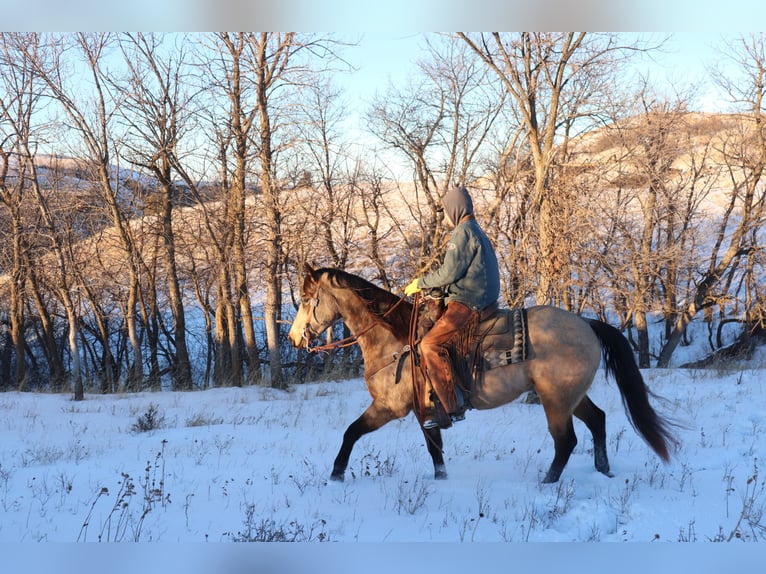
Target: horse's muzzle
x: 300, y: 339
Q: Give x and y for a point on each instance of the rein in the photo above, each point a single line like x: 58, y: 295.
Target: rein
x: 419, y: 404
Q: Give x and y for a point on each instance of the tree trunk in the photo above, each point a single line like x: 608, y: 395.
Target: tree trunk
x: 272, y: 310
x: 222, y: 367
x: 17, y: 329
x: 135, y: 373
x: 55, y: 365
x: 182, y: 378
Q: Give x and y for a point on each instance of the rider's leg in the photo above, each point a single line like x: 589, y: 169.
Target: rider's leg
x: 435, y: 355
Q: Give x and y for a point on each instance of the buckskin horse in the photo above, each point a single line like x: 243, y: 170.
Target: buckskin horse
x: 564, y: 354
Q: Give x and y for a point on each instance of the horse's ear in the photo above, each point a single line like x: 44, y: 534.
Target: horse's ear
x: 309, y: 274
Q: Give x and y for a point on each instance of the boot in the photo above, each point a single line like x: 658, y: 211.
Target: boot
x: 436, y: 416
x: 458, y: 414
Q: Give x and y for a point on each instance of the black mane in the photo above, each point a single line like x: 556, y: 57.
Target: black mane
x: 378, y: 300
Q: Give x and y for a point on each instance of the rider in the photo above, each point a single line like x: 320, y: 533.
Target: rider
x: 470, y: 277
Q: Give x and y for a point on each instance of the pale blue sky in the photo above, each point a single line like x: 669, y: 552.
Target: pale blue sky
x: 378, y: 57
x: 384, y: 56
x: 381, y: 57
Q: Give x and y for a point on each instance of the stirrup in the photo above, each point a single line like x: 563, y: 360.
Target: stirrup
x: 435, y: 417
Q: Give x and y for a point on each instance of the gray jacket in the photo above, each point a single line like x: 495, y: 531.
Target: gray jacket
x: 469, y: 273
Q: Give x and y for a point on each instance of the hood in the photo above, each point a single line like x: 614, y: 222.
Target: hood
x: 457, y: 204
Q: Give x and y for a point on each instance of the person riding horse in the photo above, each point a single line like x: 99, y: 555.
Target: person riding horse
x: 566, y: 352
x: 470, y: 278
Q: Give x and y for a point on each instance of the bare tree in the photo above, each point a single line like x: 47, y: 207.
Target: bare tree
x: 323, y: 156
x: 242, y: 117
x: 372, y: 191
x: 438, y: 123
x: 15, y: 111
x: 653, y: 178
x: 407, y: 119
x: 743, y: 153
x: 26, y: 57
x: 91, y: 120
x: 556, y: 81
x: 256, y: 76
x: 156, y: 108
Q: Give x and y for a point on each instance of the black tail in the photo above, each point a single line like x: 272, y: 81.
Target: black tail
x: 621, y: 363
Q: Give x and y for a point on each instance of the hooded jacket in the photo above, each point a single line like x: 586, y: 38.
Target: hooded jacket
x: 469, y: 273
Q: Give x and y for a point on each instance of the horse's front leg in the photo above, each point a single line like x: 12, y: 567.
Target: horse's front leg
x: 372, y: 419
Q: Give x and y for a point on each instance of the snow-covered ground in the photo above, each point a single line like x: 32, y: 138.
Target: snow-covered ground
x: 253, y: 464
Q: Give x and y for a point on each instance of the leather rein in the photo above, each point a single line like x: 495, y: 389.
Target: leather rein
x: 352, y: 339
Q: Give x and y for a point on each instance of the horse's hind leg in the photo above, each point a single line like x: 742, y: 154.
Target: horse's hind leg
x: 564, y: 441
x: 595, y: 419
x: 434, y: 444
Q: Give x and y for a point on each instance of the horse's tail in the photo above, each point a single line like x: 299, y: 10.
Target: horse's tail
x: 620, y: 362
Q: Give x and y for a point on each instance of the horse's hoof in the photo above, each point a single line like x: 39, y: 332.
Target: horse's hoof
x: 551, y: 478
x: 440, y: 474
x: 336, y: 477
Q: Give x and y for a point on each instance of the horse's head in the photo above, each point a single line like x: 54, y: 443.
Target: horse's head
x: 317, y: 312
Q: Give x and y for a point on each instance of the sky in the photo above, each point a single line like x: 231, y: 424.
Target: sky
x: 687, y: 58
x: 384, y: 56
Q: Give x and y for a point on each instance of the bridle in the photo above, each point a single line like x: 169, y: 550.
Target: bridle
x: 309, y: 333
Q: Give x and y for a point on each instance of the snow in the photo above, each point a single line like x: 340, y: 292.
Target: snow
x: 253, y: 463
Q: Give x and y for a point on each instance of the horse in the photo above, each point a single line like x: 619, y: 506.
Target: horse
x: 565, y: 352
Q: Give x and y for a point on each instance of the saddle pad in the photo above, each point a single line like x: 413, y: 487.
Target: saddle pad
x: 507, y: 339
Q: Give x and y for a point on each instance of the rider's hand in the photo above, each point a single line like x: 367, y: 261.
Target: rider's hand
x: 412, y: 288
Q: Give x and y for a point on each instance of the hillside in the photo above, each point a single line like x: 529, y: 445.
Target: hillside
x: 379, y: 229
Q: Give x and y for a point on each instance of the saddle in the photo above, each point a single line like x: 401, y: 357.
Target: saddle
x: 501, y: 339
x: 493, y: 338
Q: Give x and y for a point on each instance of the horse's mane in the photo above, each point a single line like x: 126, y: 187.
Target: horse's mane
x: 377, y: 299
